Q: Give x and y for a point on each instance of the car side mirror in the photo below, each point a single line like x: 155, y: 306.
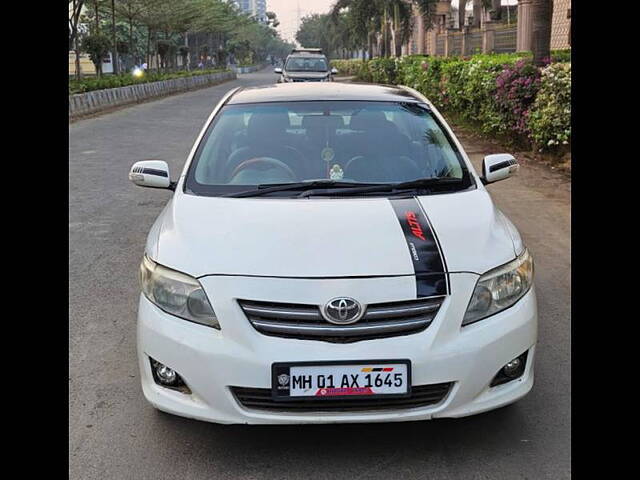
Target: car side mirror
x: 151, y: 173
x: 334, y: 71
x: 498, y: 167
x: 277, y: 70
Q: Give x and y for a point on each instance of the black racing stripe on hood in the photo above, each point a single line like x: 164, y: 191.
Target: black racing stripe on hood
x: 424, y: 249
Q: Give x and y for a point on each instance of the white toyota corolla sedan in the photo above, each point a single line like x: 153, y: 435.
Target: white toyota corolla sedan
x: 329, y: 254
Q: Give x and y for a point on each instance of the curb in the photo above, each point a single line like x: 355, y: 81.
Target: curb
x: 97, y: 101
x: 250, y: 69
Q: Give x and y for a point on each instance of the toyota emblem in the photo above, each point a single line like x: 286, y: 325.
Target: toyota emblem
x: 342, y: 311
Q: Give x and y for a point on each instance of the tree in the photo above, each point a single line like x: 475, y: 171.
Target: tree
x: 114, y: 40
x: 477, y: 13
x: 164, y: 48
x: 272, y: 20
x: 402, y: 25
x: 542, y: 13
x: 392, y: 18
x: 496, y: 9
x: 130, y: 12
x: 184, y: 53
x: 462, y: 12
x: 97, y: 46
x: 155, y: 28
x: 75, y: 8
x: 366, y: 18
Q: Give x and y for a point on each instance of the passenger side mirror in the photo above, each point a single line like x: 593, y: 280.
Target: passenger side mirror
x: 498, y: 167
x: 151, y: 173
x: 334, y: 71
x: 277, y: 70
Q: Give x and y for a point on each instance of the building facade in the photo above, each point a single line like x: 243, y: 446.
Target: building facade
x: 561, y: 25
x: 255, y: 8
x: 504, y: 35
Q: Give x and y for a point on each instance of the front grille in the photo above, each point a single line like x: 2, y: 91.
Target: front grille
x: 421, y: 396
x: 307, y: 79
x: 380, y: 320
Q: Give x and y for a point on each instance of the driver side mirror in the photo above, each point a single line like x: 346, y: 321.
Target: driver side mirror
x: 151, y: 173
x: 334, y: 71
x: 277, y: 70
x: 498, y: 167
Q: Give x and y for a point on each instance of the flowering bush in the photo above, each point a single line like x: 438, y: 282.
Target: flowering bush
x: 550, y: 119
x: 500, y: 94
x: 516, y: 89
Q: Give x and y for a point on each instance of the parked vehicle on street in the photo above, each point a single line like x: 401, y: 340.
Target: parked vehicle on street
x: 329, y: 254
x: 306, y: 65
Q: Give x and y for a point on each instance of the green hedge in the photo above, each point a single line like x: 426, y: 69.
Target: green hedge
x: 113, y: 81
x: 498, y: 94
x: 348, y: 68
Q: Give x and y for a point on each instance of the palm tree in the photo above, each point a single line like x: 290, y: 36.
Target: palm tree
x: 462, y: 11
x: 392, y: 18
x: 541, y: 12
x: 365, y: 20
x: 402, y: 25
x: 477, y: 12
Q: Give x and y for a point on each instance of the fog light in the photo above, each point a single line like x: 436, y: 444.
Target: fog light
x: 167, y: 377
x: 511, y: 370
x: 165, y: 374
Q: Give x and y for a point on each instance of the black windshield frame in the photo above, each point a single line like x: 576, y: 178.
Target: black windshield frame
x: 192, y: 187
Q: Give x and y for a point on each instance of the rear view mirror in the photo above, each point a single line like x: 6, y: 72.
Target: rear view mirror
x: 334, y: 71
x: 277, y: 70
x: 150, y: 173
x: 498, y: 167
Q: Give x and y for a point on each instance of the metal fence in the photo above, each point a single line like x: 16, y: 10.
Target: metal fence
x: 440, y: 45
x: 455, y: 44
x: 474, y: 43
x: 505, y: 40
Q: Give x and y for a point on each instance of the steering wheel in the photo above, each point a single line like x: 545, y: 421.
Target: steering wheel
x: 263, y: 163
x: 353, y: 159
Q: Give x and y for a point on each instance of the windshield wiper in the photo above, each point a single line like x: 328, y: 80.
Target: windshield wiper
x: 267, y: 188
x: 422, y: 183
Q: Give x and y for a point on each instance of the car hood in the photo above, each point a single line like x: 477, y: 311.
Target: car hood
x: 324, y: 237
x: 313, y: 75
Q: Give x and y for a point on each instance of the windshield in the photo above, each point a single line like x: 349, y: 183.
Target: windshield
x: 253, y: 145
x: 306, y: 64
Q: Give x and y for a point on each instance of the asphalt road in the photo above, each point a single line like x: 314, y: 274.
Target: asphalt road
x: 114, y: 433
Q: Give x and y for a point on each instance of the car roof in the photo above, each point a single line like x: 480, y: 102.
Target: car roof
x: 316, y: 91
x: 307, y: 55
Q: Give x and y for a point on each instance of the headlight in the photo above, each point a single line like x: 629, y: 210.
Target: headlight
x: 176, y: 293
x: 500, y: 288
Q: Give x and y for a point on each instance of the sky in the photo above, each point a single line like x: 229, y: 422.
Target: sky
x: 287, y: 12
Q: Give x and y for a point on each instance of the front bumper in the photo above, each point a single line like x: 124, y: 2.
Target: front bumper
x: 211, y: 361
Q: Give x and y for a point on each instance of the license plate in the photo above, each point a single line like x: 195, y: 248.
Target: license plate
x: 341, y: 380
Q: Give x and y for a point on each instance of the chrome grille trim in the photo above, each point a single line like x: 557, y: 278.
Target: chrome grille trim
x: 374, y: 313
x: 306, y: 322
x: 271, y: 312
x: 346, y: 331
